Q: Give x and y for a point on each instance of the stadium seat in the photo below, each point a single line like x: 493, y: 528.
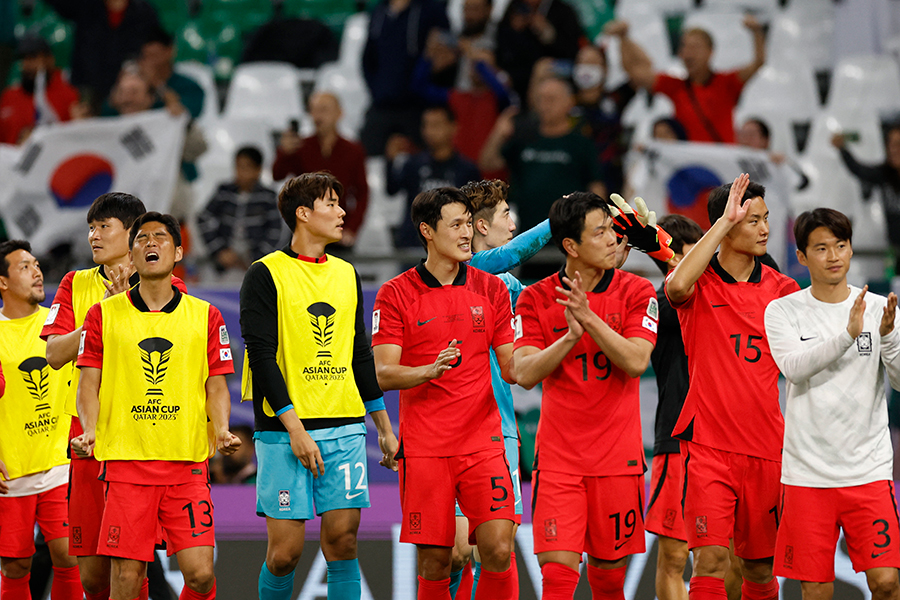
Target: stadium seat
x: 593, y: 15
x: 353, y: 41
x: 784, y: 86
x: 762, y: 8
x: 658, y: 6
x: 350, y: 88
x: 454, y: 12
x: 640, y: 116
x: 733, y: 42
x: 268, y: 91
x: 803, y: 34
x: 203, y: 75
x: 648, y: 30
x: 333, y: 13
x: 866, y: 141
x: 870, y: 81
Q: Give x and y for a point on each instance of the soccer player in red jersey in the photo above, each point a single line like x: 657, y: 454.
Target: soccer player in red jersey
x: 432, y: 330
x: 152, y: 396
x: 586, y: 333
x: 731, y: 426
x: 109, y: 218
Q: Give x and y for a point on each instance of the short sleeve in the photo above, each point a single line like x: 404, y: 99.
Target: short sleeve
x: 666, y: 84
x: 689, y: 301
x: 642, y: 319
x: 733, y: 86
x: 218, y: 346
x: 387, y: 320
x: 788, y: 286
x: 90, y: 348
x: 503, y: 323
x: 61, y: 319
x: 527, y: 323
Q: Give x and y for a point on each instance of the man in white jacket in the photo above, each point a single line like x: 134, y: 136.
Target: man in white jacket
x: 830, y: 341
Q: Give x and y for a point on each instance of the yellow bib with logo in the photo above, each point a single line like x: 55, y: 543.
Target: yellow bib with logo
x: 153, y: 389
x: 316, y: 327
x: 34, y: 430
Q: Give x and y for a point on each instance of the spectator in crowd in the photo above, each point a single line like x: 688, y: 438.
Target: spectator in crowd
x: 884, y: 177
x: 42, y: 95
x: 669, y: 129
x: 131, y: 94
x: 555, y: 161
x: 241, y: 222
x: 478, y: 32
x: 601, y: 112
x: 239, y: 467
x: 532, y: 29
x: 328, y: 151
x: 398, y: 30
x: 476, y: 108
x: 705, y: 101
x: 754, y: 133
x: 157, y: 66
x: 440, y: 165
x: 107, y: 33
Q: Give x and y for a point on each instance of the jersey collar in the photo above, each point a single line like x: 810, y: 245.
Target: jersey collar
x: 316, y: 261
x: 601, y: 286
x: 432, y: 282
x: 139, y: 303
x: 755, y: 276
x: 132, y: 281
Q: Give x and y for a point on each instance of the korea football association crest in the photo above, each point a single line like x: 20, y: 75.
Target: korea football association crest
x: 284, y: 500
x: 864, y: 343
x: 321, y: 318
x: 35, y: 373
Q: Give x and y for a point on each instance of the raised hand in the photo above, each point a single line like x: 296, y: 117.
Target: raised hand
x: 890, y: 310
x: 640, y: 228
x: 734, y: 211
x: 857, y: 311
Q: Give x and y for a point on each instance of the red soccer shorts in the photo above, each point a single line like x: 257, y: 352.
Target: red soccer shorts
x: 134, y: 515
x: 811, y: 520
x: 664, y: 516
x: 430, y: 486
x: 86, y: 500
x: 729, y: 494
x: 602, y: 516
x: 18, y: 516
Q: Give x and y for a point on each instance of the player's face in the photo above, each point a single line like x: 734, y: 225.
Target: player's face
x: 154, y: 252
x: 108, y: 239
x: 826, y: 257
x: 500, y: 229
x: 597, y: 248
x: 25, y: 280
x: 326, y: 219
x: 752, y: 233
x: 452, y: 238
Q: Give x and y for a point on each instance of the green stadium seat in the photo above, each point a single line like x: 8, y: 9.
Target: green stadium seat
x: 593, y: 15
x: 333, y: 13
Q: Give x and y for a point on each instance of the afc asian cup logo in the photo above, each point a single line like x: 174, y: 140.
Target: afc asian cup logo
x: 36, y: 376
x: 155, y: 353
x: 321, y: 317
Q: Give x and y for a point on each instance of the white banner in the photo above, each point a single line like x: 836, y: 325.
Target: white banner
x: 62, y: 168
x: 677, y: 177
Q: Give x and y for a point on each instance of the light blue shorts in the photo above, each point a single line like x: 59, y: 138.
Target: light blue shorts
x: 511, y: 445
x: 285, y: 489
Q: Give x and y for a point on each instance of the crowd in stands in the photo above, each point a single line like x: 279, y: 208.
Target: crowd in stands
x: 521, y: 94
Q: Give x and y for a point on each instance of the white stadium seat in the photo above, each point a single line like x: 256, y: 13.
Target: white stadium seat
x: 804, y: 34
x: 870, y: 81
x: 350, y: 87
x: 353, y: 41
x: 733, y: 42
x: 786, y: 87
x: 203, y: 75
x: 268, y: 91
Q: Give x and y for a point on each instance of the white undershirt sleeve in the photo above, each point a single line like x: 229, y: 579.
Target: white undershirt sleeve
x: 890, y: 356
x: 798, y: 360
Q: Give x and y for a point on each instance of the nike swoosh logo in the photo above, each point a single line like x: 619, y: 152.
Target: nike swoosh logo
x: 349, y: 497
x: 495, y: 509
x: 718, y: 305
x: 65, y: 524
x: 199, y: 534
x: 803, y: 339
x: 880, y: 553
x: 559, y: 329
x: 620, y: 545
x: 420, y: 323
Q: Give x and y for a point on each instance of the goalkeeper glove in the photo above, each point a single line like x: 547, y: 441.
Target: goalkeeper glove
x: 641, y: 228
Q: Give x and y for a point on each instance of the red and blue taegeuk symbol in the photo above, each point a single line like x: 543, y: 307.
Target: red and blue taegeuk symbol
x: 689, y: 188
x: 79, y: 179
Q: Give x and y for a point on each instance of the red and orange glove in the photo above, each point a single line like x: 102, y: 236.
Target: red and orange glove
x: 640, y: 227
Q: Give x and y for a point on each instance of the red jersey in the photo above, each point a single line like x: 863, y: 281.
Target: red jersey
x: 701, y: 108
x: 732, y: 404
x: 456, y: 413
x: 590, y: 410
x: 18, y: 111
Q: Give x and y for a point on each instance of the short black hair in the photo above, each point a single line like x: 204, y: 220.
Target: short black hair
x: 304, y: 191
x: 251, y: 153
x: 676, y: 126
x: 441, y: 108
x: 836, y: 222
x: 568, y: 213
x: 169, y: 221
x: 684, y: 231
x: 7, y: 248
x: 116, y: 205
x: 763, y: 128
x: 158, y: 35
x: 718, y: 198
x: 426, y: 207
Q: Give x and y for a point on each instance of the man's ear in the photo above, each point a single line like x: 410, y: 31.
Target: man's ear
x: 571, y: 247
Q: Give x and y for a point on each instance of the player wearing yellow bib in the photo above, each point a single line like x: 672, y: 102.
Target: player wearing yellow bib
x: 162, y: 357
x: 313, y: 379
x: 109, y: 219
x: 32, y: 434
